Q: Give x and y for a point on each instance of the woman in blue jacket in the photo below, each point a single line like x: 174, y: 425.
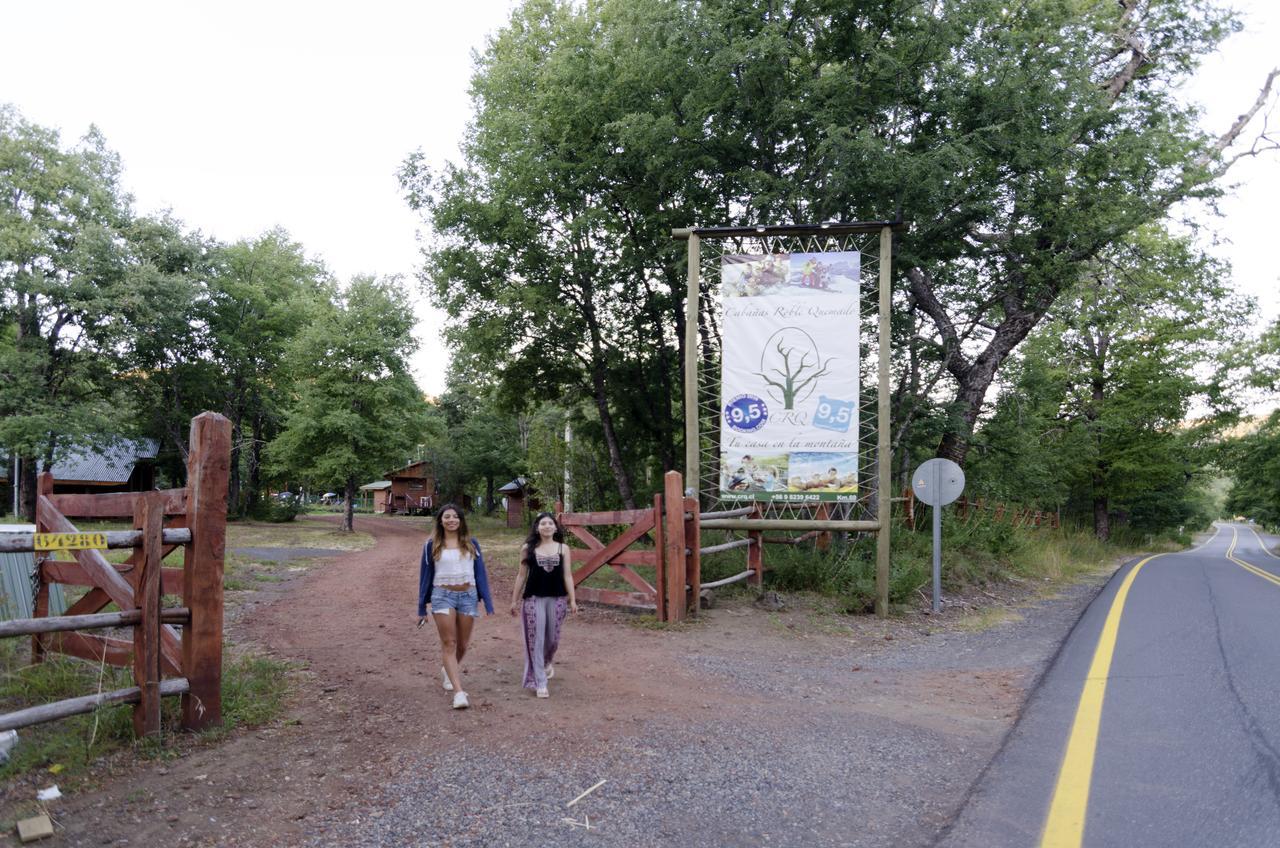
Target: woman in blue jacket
x: 453, y: 580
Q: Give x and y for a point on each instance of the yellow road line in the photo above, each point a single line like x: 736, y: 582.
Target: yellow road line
x: 1262, y: 544
x: 1250, y: 567
x: 1064, y: 827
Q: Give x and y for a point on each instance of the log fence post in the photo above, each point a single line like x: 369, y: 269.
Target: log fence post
x: 148, y: 516
x: 208, y: 469
x: 659, y: 568
x: 755, y: 552
x: 40, y: 603
x: 693, y: 544
x: 673, y: 555
x: 823, y: 542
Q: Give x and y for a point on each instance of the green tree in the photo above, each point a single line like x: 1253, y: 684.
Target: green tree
x: 1023, y: 143
x: 165, y: 362
x: 1254, y: 463
x: 1105, y: 387
x: 63, y: 278
x: 1253, y: 460
x: 356, y: 409
x: 264, y: 292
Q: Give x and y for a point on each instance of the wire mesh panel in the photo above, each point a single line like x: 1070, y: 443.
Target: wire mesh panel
x: 713, y: 248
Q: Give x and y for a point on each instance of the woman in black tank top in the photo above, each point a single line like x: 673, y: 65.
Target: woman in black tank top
x: 542, y: 595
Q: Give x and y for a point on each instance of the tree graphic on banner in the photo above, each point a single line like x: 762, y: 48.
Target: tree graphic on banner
x: 794, y: 377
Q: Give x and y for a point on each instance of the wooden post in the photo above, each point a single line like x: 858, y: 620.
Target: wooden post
x: 692, y: 348
x: 884, y: 451
x: 823, y: 541
x: 208, y: 469
x: 40, y: 604
x: 693, y: 562
x: 755, y: 552
x: 659, y: 568
x: 148, y: 516
x: 674, y: 545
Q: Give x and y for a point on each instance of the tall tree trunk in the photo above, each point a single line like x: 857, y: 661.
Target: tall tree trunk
x: 348, y: 512
x: 255, y: 459
x: 975, y: 377
x: 233, y: 481
x: 27, y: 488
x: 600, y: 394
x: 1101, y: 516
x: 620, y: 474
x: 488, y: 495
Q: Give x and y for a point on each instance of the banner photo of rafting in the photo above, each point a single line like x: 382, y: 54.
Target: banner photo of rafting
x: 789, y: 377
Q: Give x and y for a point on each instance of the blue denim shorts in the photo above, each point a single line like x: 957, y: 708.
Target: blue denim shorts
x: 443, y: 600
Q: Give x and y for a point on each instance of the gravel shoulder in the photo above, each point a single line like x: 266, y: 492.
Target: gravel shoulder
x: 748, y: 727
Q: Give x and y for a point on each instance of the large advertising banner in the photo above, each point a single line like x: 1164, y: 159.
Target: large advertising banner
x: 789, y: 377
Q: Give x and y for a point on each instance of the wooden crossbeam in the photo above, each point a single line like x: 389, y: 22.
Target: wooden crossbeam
x: 590, y: 519
x: 115, y: 504
x: 72, y: 574
x: 106, y: 578
x: 602, y: 555
x: 92, y: 601
x: 86, y: 646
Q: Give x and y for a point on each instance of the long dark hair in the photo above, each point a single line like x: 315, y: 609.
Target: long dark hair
x: 464, y: 538
x: 535, y: 537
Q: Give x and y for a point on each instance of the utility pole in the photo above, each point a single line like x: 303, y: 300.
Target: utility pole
x: 568, y: 477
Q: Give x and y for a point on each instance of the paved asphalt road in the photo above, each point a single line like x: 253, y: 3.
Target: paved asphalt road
x: 1159, y: 722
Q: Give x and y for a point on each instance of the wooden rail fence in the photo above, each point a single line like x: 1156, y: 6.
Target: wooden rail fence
x: 194, y: 517
x: 965, y: 509
x: 673, y: 524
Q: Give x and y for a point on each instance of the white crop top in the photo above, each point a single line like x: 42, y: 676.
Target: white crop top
x: 454, y: 569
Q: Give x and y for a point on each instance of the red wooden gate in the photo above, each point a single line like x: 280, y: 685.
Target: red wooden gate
x: 194, y: 516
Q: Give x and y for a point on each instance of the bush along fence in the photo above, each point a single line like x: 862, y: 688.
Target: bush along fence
x: 164, y: 660
x: 998, y: 512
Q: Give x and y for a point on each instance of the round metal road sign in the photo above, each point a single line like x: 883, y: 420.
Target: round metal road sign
x: 938, y: 482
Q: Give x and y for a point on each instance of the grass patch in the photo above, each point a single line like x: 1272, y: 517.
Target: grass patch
x: 988, y: 617
x: 298, y: 534
x: 975, y: 553
x: 252, y: 694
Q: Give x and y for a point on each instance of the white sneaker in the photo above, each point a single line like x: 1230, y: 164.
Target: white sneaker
x: 460, y: 701
x: 444, y: 675
x: 551, y: 672
x: 542, y: 693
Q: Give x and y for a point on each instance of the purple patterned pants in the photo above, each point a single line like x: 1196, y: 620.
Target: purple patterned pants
x: 542, y: 619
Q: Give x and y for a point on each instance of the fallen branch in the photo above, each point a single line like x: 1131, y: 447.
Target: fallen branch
x: 588, y: 792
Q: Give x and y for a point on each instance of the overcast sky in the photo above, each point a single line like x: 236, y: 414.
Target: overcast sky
x: 243, y: 116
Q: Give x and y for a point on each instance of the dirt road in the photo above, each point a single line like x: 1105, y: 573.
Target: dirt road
x: 749, y: 727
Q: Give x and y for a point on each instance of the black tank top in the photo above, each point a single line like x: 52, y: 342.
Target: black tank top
x: 546, y: 576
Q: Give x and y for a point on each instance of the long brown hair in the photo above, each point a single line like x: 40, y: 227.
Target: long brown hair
x: 465, y: 543
x: 535, y: 538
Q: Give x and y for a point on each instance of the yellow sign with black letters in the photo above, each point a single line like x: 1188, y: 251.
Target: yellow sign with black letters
x: 70, y: 541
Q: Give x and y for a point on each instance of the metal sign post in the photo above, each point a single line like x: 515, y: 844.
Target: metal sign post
x: 938, y: 482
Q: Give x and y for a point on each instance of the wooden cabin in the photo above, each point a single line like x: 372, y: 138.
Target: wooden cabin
x: 128, y: 465
x: 413, y: 490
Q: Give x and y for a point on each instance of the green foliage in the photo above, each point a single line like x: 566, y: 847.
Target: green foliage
x: 356, y: 410
x: 1025, y: 143
x: 275, y: 510
x: 252, y: 694
x: 64, y: 288
x: 1094, y: 420
x: 1254, y: 464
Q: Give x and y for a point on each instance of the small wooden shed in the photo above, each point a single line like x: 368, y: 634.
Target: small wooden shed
x: 379, y: 489
x: 519, y: 496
